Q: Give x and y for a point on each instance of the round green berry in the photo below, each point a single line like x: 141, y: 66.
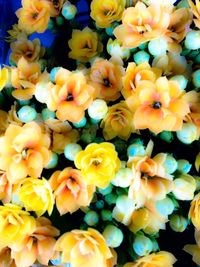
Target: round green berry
x: 53, y: 161
x: 141, y: 57
x: 48, y: 114
x: 91, y: 218
x: 27, y: 114
x: 142, y: 245
x: 71, y: 150
x: 113, y: 236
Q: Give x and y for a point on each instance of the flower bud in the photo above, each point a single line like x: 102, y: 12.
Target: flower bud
x: 188, y: 133
x: 170, y: 164
x: 115, y: 48
x: 184, y: 165
x: 178, y: 223
x: 71, y: 150
x: 184, y: 187
x: 123, y: 178
x: 192, y: 40
x: 98, y: 109
x: 113, y: 236
x: 165, y: 206
x: 142, y: 245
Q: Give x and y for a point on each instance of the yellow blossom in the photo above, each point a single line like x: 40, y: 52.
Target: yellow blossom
x: 24, y: 151
x: 117, y: 122
x: 4, y: 77
x: 84, y: 45
x: 33, y: 16
x: 36, y: 195
x: 194, y: 249
x: 159, y: 259
x: 85, y: 248
x: 106, y: 12
x: 15, y: 225
x: 70, y: 190
x: 30, y: 50
x: 98, y: 163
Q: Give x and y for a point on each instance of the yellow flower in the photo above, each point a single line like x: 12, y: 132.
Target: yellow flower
x: 194, y: 249
x: 194, y: 212
x: 15, y: 33
x: 84, y: 248
x: 141, y: 24
x: 117, y: 122
x: 159, y: 259
x: 158, y: 106
x: 24, y: 151
x: 38, y: 245
x: 106, y: 78
x: 15, y: 225
x: 4, y: 77
x: 135, y: 74
x: 172, y: 64
x: 70, y: 190
x: 196, y: 11
x: 33, y: 16
x: 30, y: 50
x: 84, y: 45
x: 150, y: 180
x: 107, y: 11
x: 36, y: 195
x: 147, y: 219
x: 24, y: 79
x: 98, y: 164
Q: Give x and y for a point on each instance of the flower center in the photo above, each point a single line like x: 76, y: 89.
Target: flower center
x: 106, y: 82
x: 156, y: 105
x: 70, y: 97
x: 24, y: 153
x: 96, y: 162
x: 35, y: 15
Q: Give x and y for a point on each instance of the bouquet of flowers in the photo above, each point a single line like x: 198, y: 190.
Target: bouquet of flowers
x: 99, y: 134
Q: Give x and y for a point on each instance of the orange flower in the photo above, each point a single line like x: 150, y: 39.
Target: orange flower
x: 158, y: 106
x: 55, y: 7
x: 84, y: 248
x: 180, y: 21
x: 106, y: 12
x: 135, y: 74
x: 24, y: 151
x: 69, y: 93
x: 5, y: 188
x: 117, y: 122
x: 159, y: 259
x: 30, y: 50
x: 24, y: 79
x: 33, y: 16
x: 193, y: 99
x: 62, y: 134
x: 84, y: 45
x: 150, y: 180
x: 194, y: 213
x: 196, y: 11
x: 5, y: 258
x: 37, y: 246
x: 106, y: 78
x: 3, y: 121
x: 141, y: 24
x: 70, y: 190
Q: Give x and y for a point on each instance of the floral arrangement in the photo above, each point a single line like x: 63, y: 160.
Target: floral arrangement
x: 99, y: 134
